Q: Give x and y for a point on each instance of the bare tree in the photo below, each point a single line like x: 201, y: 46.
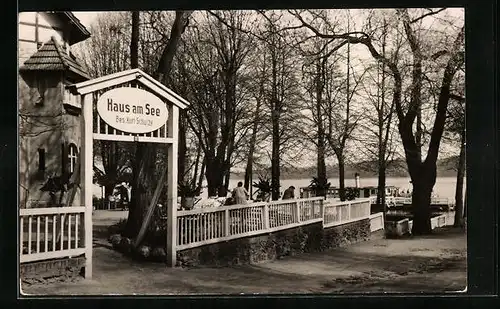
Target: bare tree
x: 379, y: 125
x: 145, y: 160
x: 282, y: 95
x: 455, y: 129
x: 317, y: 75
x: 105, y: 53
x: 422, y: 173
x: 216, y: 55
x: 256, y: 123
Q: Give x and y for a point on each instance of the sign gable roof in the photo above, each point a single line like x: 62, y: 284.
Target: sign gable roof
x: 128, y: 76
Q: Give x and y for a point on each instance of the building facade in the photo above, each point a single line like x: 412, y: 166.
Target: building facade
x: 49, y: 114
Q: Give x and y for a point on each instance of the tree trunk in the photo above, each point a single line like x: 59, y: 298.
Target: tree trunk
x: 381, y: 187
x: 202, y: 173
x: 459, y: 192
x: 421, y: 200
x: 108, y: 190
x: 342, y: 194
x: 225, y: 187
x: 145, y: 156
x: 321, y: 166
x: 321, y: 133
x: 143, y: 188
x: 248, y: 173
x: 182, y: 148
x: 275, y: 159
x: 134, y: 41
x: 180, y: 23
x: 251, y: 150
x: 196, y: 165
x: 214, y: 174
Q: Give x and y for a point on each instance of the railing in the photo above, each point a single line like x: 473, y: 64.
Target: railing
x: 48, y: 233
x: 345, y: 212
x: 446, y: 219
x: 401, y: 200
x: 376, y: 222
x: 210, y: 225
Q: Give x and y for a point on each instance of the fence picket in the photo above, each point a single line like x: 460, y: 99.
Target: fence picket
x: 21, y: 237
x: 30, y: 222
x: 38, y: 234
x: 77, y: 240
x: 45, y: 234
x: 54, y: 222
x: 69, y: 231
x: 62, y: 232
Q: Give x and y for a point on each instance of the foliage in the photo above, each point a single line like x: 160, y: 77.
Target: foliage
x: 351, y: 193
x: 263, y: 186
x: 188, y: 189
x: 319, y: 185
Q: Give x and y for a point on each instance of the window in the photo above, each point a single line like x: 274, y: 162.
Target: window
x: 72, y: 156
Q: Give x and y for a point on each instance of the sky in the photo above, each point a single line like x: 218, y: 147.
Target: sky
x: 87, y: 17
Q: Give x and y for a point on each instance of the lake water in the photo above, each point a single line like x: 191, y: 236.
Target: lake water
x: 444, y: 187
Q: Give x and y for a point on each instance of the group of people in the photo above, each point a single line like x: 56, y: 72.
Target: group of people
x: 240, y: 195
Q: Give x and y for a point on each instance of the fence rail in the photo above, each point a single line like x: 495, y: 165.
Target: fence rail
x: 401, y: 200
x: 377, y: 222
x: 210, y: 225
x: 48, y: 233
x: 345, y: 212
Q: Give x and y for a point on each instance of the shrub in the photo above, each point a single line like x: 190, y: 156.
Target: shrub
x: 351, y: 193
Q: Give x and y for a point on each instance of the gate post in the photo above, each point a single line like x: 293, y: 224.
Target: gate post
x: 173, y: 132
x: 86, y: 168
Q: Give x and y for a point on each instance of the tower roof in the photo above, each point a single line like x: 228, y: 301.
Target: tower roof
x: 53, y: 57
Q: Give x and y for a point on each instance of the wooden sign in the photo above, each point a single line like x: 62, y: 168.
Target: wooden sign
x: 132, y: 110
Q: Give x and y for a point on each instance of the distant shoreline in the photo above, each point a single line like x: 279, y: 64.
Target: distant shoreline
x: 291, y: 177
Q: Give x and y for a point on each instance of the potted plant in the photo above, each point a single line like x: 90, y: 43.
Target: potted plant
x: 187, y: 191
x: 320, y: 187
x: 263, y: 188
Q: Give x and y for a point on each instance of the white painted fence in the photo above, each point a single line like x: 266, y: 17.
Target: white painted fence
x: 400, y: 200
x: 377, y: 222
x: 49, y: 233
x: 445, y: 219
x: 337, y: 213
x: 211, y: 225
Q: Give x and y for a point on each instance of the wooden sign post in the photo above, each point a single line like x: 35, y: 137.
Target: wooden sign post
x: 131, y: 107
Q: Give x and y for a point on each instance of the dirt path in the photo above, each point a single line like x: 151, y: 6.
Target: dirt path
x: 435, y: 263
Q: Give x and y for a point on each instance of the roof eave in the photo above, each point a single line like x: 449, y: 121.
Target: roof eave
x: 129, y: 75
x: 80, y: 32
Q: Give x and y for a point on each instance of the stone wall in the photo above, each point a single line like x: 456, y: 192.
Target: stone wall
x: 39, y: 271
x: 307, y: 238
